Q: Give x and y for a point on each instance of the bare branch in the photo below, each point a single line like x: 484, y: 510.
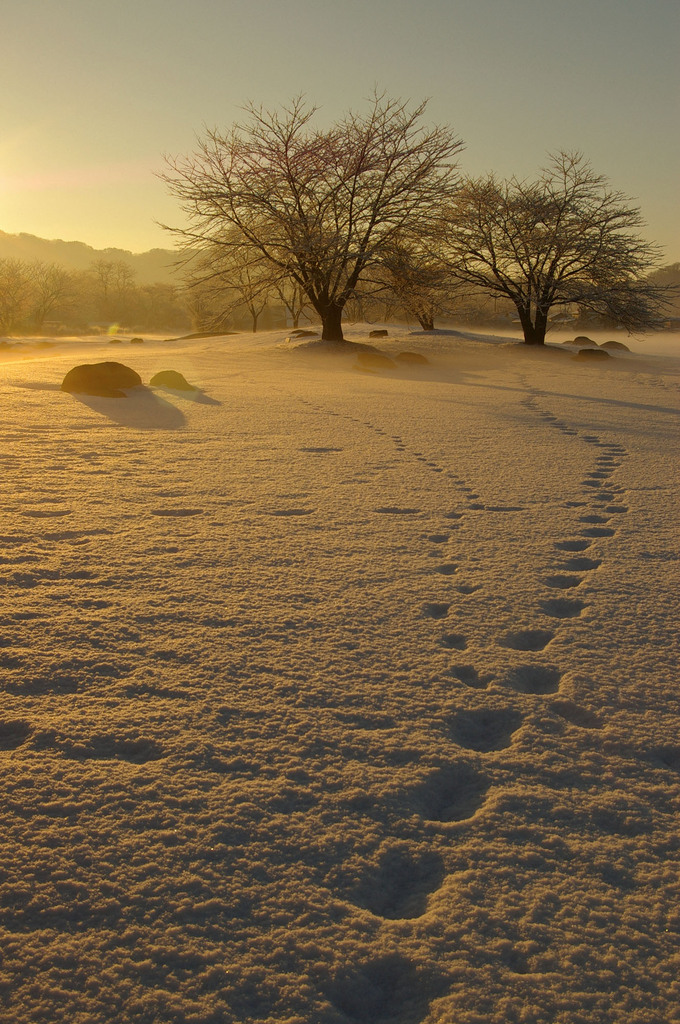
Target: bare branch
x: 319, y: 207
x: 565, y: 239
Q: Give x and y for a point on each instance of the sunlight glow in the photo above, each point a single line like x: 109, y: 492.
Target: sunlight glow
x: 84, y: 176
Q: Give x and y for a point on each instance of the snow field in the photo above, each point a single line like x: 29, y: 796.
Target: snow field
x: 340, y: 696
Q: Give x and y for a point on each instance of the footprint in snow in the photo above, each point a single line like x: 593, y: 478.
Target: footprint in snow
x: 536, y: 679
x: 527, y: 639
x: 485, y: 729
x: 13, y: 732
x: 398, y: 886
x: 598, y: 531
x: 469, y: 676
x: 455, y: 641
x: 436, y: 609
x: 320, y: 451
x: 560, y: 582
x: 575, y: 715
x: 562, y: 607
x: 291, y: 512
x: 573, y: 545
x: 396, y: 510
x: 177, y: 513
x: 52, y: 513
x: 104, y: 748
x: 468, y: 588
x: 452, y: 793
x: 582, y: 564
x: 669, y: 756
x: 379, y: 989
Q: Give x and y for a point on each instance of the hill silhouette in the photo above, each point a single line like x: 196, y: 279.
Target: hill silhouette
x: 149, y: 267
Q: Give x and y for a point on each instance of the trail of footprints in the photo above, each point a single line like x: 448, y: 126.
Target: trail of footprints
x: 468, y: 498
x: 402, y: 877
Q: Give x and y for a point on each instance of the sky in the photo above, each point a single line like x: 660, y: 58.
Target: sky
x: 94, y: 94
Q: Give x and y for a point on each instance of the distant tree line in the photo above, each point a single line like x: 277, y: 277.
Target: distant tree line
x: 369, y: 219
x: 36, y: 297
x: 44, y: 298
x: 372, y: 214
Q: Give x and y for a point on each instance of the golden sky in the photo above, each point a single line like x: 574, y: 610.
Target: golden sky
x: 93, y: 94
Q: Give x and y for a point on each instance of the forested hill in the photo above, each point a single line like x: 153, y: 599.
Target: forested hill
x: 149, y: 267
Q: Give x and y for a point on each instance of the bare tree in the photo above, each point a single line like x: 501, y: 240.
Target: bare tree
x: 161, y: 306
x: 231, y: 279
x: 15, y: 293
x: 564, y: 239
x: 420, y: 281
x: 205, y: 308
x: 52, y: 289
x: 114, y: 289
x: 252, y: 286
x: 293, y: 298
x: 668, y: 277
x: 318, y: 206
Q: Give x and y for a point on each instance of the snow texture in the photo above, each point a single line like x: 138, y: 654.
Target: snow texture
x: 339, y: 694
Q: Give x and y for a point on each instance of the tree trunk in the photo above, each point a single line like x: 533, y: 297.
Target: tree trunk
x: 331, y: 323
x: 534, y: 334
x: 426, y: 322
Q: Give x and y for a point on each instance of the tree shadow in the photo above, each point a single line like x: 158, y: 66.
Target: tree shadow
x: 591, y: 399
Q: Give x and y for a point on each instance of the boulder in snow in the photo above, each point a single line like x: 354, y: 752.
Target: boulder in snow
x: 171, y: 379
x: 105, y: 380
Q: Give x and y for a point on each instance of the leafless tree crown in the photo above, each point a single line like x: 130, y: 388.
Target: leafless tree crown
x: 316, y: 207
x: 566, y: 238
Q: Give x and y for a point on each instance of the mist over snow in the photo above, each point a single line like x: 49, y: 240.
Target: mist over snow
x: 338, y: 693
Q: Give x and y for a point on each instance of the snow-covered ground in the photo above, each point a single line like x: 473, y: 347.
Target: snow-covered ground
x: 340, y: 696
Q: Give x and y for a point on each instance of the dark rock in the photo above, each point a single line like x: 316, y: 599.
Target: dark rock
x: 136, y: 341
x: 105, y: 380
x: 591, y: 354
x: 300, y: 332
x: 412, y: 358
x: 618, y: 345
x: 375, y: 361
x: 584, y: 342
x: 171, y: 379
x: 377, y: 334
